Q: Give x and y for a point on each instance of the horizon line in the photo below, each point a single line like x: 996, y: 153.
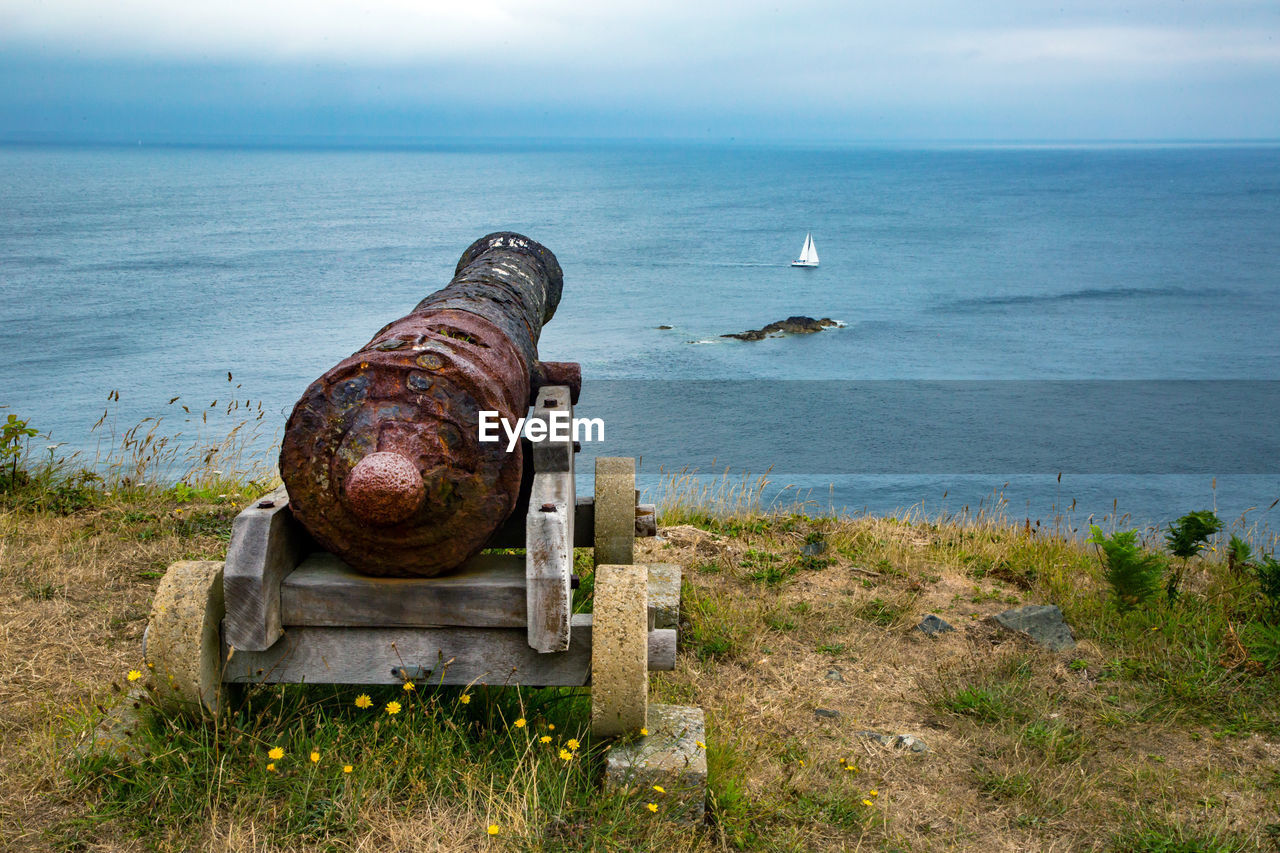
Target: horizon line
x: 411, y: 143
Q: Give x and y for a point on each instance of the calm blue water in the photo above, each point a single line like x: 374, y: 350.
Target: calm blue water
x: 155, y: 272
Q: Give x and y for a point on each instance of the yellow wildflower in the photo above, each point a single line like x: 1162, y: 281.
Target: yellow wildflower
x: 519, y: 724
x: 393, y: 707
x: 276, y: 753
x: 700, y: 744
x: 315, y: 757
x: 465, y: 699
x: 653, y: 807
x: 134, y: 675
x: 545, y: 738
x: 565, y: 755
x: 408, y: 686
x: 866, y: 802
x: 347, y: 768
x: 551, y: 727
x: 802, y: 762
x: 363, y: 701
x: 874, y: 793
x: 493, y: 829
x: 659, y: 789
x: 644, y: 732
x: 572, y: 743
x: 271, y: 767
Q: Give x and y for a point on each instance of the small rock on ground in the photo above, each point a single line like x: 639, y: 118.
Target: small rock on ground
x: 909, y: 742
x: 816, y: 548
x: 827, y: 712
x: 932, y: 625
x: 1043, y: 623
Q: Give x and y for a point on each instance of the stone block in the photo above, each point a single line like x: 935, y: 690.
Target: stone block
x: 672, y: 756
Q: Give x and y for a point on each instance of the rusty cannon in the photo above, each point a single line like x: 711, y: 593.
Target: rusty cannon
x: 381, y: 455
x: 402, y: 548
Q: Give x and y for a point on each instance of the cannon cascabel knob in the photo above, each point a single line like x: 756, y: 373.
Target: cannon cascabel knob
x: 384, y: 488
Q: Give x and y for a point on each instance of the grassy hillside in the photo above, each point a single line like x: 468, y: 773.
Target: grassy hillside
x: 1160, y: 731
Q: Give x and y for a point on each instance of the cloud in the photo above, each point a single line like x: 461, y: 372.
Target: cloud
x: 1021, y: 67
x: 1111, y: 46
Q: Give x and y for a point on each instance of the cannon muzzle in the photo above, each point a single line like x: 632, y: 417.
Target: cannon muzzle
x: 382, y: 457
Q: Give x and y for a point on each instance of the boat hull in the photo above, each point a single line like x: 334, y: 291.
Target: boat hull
x: 809, y: 264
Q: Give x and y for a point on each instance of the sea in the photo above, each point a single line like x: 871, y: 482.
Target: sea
x: 1062, y: 335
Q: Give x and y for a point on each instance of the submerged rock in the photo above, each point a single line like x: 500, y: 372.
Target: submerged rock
x: 797, y: 325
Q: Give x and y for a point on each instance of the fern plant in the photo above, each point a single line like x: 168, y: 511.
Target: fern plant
x: 1267, y: 571
x: 1186, y: 537
x: 1239, y: 555
x: 1134, y: 574
x: 1188, y: 534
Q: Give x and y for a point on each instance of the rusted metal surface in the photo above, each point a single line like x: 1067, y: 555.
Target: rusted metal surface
x: 381, y: 455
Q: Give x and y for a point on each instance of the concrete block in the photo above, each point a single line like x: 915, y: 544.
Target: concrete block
x: 673, y: 756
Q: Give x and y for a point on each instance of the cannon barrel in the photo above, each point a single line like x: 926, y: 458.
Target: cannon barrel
x: 382, y: 457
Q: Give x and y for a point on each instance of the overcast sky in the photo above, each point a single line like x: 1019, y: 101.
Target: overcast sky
x: 985, y: 70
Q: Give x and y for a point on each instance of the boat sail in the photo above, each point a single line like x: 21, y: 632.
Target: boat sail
x: 808, y: 255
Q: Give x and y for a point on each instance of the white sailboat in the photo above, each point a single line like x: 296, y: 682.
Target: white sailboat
x: 808, y: 255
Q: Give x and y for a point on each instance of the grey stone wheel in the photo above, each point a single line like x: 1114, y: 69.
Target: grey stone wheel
x: 183, y: 646
x: 620, y: 650
x: 615, y: 510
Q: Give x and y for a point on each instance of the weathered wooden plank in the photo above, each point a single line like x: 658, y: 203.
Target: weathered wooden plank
x: 549, y: 529
x: 662, y: 649
x: 499, y: 656
x: 584, y: 522
x: 266, y: 545
x: 487, y: 592
x: 553, y: 403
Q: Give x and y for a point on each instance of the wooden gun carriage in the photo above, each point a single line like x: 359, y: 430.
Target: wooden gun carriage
x: 285, y: 608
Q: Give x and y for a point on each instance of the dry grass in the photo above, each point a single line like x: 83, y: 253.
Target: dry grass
x: 75, y: 592
x: 1027, y: 750
x: 1066, y: 756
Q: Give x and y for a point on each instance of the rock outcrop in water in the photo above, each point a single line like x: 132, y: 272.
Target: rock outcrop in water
x: 789, y: 326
